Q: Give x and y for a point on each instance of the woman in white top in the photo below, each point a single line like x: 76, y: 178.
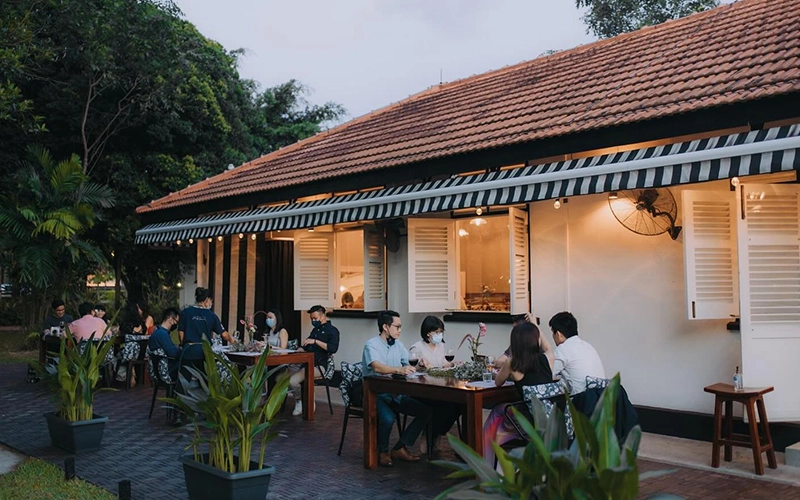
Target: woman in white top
x: 430, y: 350
x: 275, y: 333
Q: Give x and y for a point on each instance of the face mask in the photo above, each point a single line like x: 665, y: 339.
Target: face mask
x: 437, y: 338
x: 316, y: 323
x: 270, y: 322
x: 173, y: 327
x: 390, y: 340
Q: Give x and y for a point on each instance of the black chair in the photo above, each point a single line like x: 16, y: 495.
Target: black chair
x: 138, y: 363
x: 160, y: 382
x: 324, y: 377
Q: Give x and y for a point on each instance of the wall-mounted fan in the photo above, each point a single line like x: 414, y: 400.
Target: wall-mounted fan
x: 648, y: 212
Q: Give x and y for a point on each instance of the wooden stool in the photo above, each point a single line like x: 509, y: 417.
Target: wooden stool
x: 750, y: 397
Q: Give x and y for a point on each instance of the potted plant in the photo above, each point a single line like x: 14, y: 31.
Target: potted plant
x: 595, y: 465
x: 472, y: 370
x: 230, y: 417
x: 74, y: 426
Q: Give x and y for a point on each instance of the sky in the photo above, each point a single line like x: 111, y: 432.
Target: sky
x: 366, y: 54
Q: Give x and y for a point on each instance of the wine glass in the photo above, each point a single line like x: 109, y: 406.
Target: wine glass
x: 413, y: 359
x: 450, y: 356
x: 489, y: 363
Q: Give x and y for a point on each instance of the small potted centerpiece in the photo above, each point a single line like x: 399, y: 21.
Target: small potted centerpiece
x: 230, y: 416
x: 473, y: 369
x: 74, y: 426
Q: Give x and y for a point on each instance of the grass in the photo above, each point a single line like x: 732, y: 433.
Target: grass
x: 35, y: 478
x: 15, y: 348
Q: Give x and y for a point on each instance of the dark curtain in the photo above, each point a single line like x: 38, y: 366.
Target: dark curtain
x: 275, y: 284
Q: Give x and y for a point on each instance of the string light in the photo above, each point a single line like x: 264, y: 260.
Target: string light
x: 241, y: 236
x: 191, y: 241
x: 557, y: 204
x: 253, y: 237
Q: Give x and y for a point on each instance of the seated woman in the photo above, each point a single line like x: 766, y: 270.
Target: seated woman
x: 275, y: 333
x: 431, y: 353
x: 347, y: 300
x: 530, y: 363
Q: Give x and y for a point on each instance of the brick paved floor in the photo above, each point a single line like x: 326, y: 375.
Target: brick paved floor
x: 147, y: 451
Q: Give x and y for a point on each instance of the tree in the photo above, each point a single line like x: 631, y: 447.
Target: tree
x: 43, y: 219
x: 608, y: 18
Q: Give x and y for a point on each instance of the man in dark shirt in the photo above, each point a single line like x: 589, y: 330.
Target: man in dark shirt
x: 160, y: 339
x: 323, y: 341
x: 197, y: 323
x: 58, y: 318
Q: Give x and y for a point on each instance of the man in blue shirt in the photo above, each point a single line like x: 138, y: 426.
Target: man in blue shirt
x: 197, y: 323
x: 322, y: 341
x: 160, y: 339
x: 386, y: 355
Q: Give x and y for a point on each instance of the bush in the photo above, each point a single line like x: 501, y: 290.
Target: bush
x: 10, y: 311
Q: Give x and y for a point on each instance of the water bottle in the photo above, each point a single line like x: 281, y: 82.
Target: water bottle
x: 738, y: 383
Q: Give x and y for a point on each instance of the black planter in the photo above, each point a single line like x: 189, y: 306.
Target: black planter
x: 76, y: 437
x: 204, y: 482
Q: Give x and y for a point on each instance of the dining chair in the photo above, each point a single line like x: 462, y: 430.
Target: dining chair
x: 324, y: 376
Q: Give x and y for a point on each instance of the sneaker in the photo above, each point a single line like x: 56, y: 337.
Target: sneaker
x: 298, y: 408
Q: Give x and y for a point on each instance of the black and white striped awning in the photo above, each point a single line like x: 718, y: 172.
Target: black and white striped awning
x: 722, y: 157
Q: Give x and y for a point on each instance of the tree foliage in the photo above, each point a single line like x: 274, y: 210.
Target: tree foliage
x: 147, y: 102
x: 608, y: 18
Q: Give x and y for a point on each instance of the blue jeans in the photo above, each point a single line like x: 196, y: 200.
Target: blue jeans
x: 387, y: 405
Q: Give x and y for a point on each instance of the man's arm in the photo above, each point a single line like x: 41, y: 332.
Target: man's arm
x: 180, y: 336
x: 379, y: 367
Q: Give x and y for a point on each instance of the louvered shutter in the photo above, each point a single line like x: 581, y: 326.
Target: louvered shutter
x: 374, y: 270
x: 518, y: 264
x: 432, y: 266
x: 314, y: 273
x: 769, y: 262
x: 710, y: 256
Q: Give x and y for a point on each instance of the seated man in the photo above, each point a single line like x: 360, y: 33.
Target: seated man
x: 58, y: 318
x: 88, y: 324
x: 160, y: 339
x: 322, y: 341
x: 385, y: 355
x: 574, y: 358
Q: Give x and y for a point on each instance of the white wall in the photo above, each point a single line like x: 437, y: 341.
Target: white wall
x: 627, y: 292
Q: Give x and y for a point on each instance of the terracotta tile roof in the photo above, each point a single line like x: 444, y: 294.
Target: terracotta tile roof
x: 738, y: 52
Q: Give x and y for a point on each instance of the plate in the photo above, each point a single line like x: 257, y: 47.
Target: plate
x: 283, y: 351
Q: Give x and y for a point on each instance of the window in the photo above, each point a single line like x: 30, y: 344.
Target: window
x: 476, y: 264
x: 340, y: 270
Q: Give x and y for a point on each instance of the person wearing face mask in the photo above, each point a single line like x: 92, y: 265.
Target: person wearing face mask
x: 385, y: 355
x: 322, y: 341
x: 160, y: 339
x: 431, y: 353
x: 430, y: 349
x: 196, y: 324
x: 275, y: 334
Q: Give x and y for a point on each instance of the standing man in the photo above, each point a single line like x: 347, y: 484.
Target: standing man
x: 574, y: 358
x: 58, y: 317
x: 386, y: 355
x: 198, y: 322
x: 88, y: 324
x: 322, y: 341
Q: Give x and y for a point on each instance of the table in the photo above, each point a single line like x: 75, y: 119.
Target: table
x: 435, y: 388
x: 750, y: 397
x: 292, y: 358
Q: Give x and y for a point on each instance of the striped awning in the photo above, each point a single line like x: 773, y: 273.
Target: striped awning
x: 757, y: 152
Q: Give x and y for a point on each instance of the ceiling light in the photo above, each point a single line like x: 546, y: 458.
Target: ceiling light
x: 191, y: 241
x: 463, y: 232
x: 557, y: 204
x: 210, y: 240
x: 477, y: 221
x: 253, y: 237
x: 219, y: 238
x: 478, y: 211
x: 735, y: 181
x: 178, y: 242
x: 241, y: 236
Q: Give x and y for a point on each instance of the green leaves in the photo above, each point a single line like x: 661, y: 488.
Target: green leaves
x: 594, y: 466
x: 607, y: 18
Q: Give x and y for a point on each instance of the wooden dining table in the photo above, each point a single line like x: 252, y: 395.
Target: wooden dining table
x: 437, y: 389
x: 290, y: 358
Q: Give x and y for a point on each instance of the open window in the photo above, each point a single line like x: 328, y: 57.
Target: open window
x: 340, y: 270
x: 470, y: 264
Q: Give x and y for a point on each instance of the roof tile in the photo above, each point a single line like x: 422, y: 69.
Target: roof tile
x: 746, y: 50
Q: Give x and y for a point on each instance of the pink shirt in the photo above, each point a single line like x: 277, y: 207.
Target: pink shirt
x: 83, y: 328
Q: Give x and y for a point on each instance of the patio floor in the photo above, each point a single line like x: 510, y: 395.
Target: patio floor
x: 147, y: 451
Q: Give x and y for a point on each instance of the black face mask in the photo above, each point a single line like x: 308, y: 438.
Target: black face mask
x: 173, y: 327
x: 390, y: 340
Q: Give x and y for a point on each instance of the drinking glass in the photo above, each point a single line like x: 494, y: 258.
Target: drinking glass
x: 489, y: 363
x: 413, y: 359
x: 450, y: 356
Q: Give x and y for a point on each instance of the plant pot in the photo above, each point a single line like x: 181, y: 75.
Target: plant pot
x: 76, y: 437
x: 204, y: 482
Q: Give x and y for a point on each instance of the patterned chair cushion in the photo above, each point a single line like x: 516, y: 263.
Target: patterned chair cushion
x: 163, y: 365
x: 351, y: 373
x: 292, y: 344
x: 545, y: 393
x: 329, y: 369
x: 596, y: 382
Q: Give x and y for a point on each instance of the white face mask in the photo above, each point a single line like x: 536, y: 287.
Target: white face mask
x: 437, y: 338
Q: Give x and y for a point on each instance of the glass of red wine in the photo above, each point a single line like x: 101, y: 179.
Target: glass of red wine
x: 413, y: 360
x: 450, y: 356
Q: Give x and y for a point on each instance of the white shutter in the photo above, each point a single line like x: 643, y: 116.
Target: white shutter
x: 374, y: 270
x: 314, y: 277
x: 432, y: 265
x: 518, y: 264
x: 769, y: 263
x: 710, y: 256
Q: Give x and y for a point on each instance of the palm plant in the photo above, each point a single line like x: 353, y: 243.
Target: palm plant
x: 234, y: 415
x: 594, y: 466
x: 44, y: 211
x: 74, y: 378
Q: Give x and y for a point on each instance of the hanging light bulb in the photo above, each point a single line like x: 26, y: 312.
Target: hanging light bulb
x: 253, y: 237
x: 479, y: 211
x: 191, y: 241
x: 178, y: 242
x: 210, y: 240
x: 557, y: 204
x: 219, y: 238
x: 241, y: 236
x: 735, y: 182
